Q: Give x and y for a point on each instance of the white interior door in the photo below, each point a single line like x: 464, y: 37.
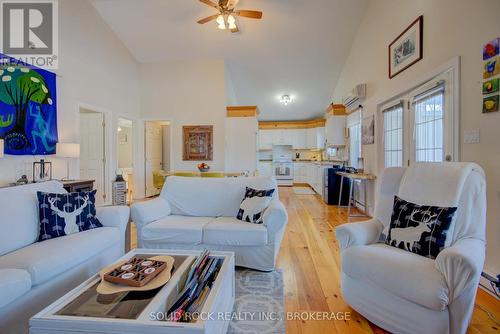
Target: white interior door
x: 92, y: 151
x: 154, y: 155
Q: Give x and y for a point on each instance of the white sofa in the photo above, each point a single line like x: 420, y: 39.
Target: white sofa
x: 407, y: 293
x: 34, y: 274
x: 198, y: 213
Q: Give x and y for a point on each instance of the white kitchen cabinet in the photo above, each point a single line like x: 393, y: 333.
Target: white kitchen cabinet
x: 299, y: 139
x: 335, y: 126
x: 300, y: 172
x: 266, y: 138
x: 265, y: 168
x: 316, y: 138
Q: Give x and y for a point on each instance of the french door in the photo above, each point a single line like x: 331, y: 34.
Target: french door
x: 421, y: 126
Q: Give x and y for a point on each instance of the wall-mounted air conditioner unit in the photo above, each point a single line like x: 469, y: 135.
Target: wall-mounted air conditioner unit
x: 354, y: 100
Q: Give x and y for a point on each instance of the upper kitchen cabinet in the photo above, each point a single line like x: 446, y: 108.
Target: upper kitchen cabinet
x: 335, y: 125
x: 316, y: 138
x: 266, y: 139
x: 302, y: 135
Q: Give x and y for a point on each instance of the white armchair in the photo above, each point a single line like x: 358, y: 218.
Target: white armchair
x: 406, y: 293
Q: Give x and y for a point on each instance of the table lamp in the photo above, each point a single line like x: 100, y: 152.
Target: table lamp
x: 68, y: 150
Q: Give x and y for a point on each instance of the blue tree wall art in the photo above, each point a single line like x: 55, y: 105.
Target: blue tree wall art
x: 28, y: 103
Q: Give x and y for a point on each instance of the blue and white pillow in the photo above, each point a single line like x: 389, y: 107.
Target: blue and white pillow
x: 64, y: 214
x: 254, y: 204
x: 420, y: 229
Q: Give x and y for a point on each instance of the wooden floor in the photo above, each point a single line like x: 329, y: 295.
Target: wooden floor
x: 310, y: 260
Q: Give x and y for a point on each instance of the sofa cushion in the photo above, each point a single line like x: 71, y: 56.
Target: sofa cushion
x: 19, y: 214
x: 176, y: 229
x: 404, y: 274
x: 64, y: 214
x: 13, y: 284
x: 44, y: 260
x: 211, y: 197
x: 230, y: 231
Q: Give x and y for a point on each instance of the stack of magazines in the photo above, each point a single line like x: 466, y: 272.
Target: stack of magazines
x: 199, y: 281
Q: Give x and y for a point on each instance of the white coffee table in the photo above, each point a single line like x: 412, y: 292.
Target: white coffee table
x: 82, y: 310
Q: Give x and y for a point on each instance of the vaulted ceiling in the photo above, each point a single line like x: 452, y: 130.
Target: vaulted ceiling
x: 298, y: 48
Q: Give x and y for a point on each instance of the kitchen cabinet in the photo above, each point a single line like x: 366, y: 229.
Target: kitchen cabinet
x: 266, y: 139
x: 300, y: 172
x: 300, y: 139
x: 335, y: 126
x: 316, y: 138
x: 265, y: 168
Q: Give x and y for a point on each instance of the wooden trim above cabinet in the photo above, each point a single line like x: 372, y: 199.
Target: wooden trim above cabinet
x: 336, y: 110
x: 242, y: 111
x: 272, y: 125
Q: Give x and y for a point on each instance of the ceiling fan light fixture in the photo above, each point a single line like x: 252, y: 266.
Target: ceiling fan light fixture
x: 285, y: 100
x: 221, y: 22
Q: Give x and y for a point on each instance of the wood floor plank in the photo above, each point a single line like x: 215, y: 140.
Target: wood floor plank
x: 310, y: 260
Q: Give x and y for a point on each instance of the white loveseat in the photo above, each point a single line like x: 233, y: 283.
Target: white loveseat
x: 34, y: 274
x: 407, y: 293
x: 198, y: 213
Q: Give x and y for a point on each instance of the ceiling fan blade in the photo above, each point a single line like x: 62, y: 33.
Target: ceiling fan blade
x: 210, y: 3
x: 252, y: 14
x: 208, y: 19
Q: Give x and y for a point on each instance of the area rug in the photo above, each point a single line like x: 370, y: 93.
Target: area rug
x: 303, y: 191
x: 259, y: 303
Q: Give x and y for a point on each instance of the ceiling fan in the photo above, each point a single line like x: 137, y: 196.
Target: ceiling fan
x: 227, y: 12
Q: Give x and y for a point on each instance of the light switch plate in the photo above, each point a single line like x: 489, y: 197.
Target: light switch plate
x: 472, y: 137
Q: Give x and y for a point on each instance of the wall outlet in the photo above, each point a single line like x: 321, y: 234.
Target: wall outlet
x: 472, y: 137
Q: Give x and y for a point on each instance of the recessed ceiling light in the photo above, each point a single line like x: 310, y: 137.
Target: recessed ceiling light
x: 286, y: 100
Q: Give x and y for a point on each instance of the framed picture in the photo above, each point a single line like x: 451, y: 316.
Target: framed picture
x: 368, y: 130
x: 491, y: 49
x: 491, y: 86
x: 407, y: 48
x: 490, y: 104
x: 491, y: 67
x: 198, y: 143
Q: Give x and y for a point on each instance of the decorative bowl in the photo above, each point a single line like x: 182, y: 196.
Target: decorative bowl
x: 204, y: 169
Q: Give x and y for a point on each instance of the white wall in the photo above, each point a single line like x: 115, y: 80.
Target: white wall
x: 186, y: 93
x: 241, y: 144
x: 96, y: 70
x: 451, y: 28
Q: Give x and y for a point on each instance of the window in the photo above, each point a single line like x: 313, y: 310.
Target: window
x: 393, y: 136
x: 429, y: 125
x: 421, y: 125
x: 354, y: 126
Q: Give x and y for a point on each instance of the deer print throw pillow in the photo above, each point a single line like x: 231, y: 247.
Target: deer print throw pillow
x: 254, y: 204
x: 64, y: 214
x: 420, y: 229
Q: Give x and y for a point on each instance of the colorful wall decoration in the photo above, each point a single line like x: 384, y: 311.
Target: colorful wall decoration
x: 491, y: 69
x: 28, y: 103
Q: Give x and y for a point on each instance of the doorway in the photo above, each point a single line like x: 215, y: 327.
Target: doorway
x: 157, y: 155
x: 126, y: 154
x: 92, y: 151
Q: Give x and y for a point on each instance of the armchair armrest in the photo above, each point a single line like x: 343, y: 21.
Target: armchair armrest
x: 358, y: 234
x: 461, y: 264
x: 275, y: 219
x: 146, y: 212
x: 114, y: 216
